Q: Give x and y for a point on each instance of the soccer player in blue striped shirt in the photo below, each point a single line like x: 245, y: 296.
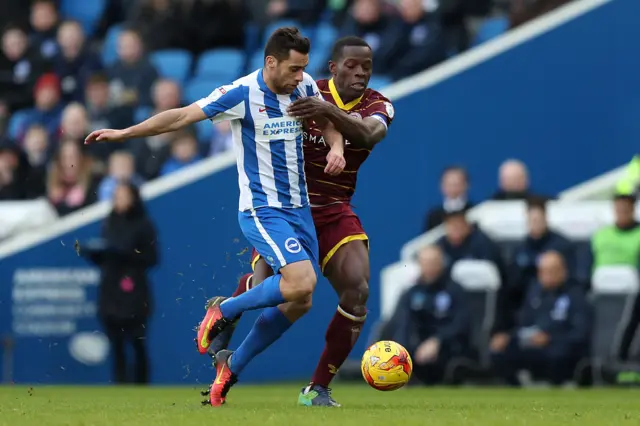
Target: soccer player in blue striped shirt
x: 274, y: 214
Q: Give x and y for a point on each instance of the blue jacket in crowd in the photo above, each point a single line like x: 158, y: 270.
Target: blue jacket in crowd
x: 563, y: 313
x: 438, y: 309
x: 477, y: 246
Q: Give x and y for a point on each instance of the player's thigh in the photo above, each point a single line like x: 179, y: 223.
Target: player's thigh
x: 344, y: 247
x: 272, y: 234
x: 261, y: 269
x: 306, y: 231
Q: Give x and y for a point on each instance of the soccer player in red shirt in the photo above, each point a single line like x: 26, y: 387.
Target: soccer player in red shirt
x: 363, y: 116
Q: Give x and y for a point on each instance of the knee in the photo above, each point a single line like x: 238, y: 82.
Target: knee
x: 302, y: 285
x: 354, y: 295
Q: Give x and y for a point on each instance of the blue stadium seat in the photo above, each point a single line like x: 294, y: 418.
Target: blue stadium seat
x: 110, y: 46
x: 257, y: 61
x: 204, y: 131
x: 201, y: 87
x: 225, y: 64
x: 378, y: 82
x: 16, y: 123
x: 277, y: 24
x: 142, y: 113
x: 87, y: 12
x: 490, y: 29
x: 174, y: 64
x: 324, y: 36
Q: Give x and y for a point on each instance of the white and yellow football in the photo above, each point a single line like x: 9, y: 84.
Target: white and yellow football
x: 386, y: 366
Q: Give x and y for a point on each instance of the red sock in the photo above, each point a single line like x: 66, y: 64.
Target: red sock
x: 341, y: 336
x: 243, y: 285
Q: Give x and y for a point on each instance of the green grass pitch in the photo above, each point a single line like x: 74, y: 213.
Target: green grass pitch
x: 275, y: 405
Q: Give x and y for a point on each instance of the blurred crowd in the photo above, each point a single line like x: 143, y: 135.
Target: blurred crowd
x: 543, y: 319
x: 68, y: 67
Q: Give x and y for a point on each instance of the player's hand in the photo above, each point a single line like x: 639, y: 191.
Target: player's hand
x: 539, y: 339
x: 335, y: 162
x: 428, y: 351
x: 105, y: 135
x: 305, y: 108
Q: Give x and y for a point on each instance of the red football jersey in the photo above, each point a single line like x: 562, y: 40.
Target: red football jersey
x: 325, y: 189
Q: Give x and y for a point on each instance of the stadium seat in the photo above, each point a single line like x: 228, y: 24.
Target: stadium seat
x: 110, y: 46
x: 204, y: 131
x: 481, y: 280
x: 199, y: 88
x: 378, y: 82
x: 278, y: 24
x: 256, y: 62
x: 87, y: 12
x: 174, y: 64
x: 615, y: 289
x: 490, y: 29
x: 225, y: 64
x: 16, y: 123
x: 142, y: 113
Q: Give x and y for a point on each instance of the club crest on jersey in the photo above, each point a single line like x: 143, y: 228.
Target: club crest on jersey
x: 390, y: 110
x: 292, y: 245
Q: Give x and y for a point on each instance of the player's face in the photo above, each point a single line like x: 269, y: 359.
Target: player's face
x: 288, y: 73
x: 352, y: 72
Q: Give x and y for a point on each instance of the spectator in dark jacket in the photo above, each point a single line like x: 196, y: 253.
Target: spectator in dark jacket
x: 523, y: 269
x: 454, y: 184
x: 367, y: 20
x: 44, y: 22
x: 48, y: 108
x: 20, y: 67
x: 74, y: 63
x: 463, y: 240
x: 553, y: 329
x: 414, y: 42
x: 125, y: 253
x: 162, y: 24
x: 432, y: 319
x: 132, y: 76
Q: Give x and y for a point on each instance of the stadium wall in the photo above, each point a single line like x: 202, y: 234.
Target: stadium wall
x: 562, y: 93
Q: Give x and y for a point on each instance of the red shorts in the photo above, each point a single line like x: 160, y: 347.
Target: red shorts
x: 336, y: 225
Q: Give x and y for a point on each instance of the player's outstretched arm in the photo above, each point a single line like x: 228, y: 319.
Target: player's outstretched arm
x: 165, y: 122
x: 361, y: 133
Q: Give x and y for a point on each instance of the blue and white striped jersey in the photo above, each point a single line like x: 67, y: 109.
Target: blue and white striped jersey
x: 267, y: 141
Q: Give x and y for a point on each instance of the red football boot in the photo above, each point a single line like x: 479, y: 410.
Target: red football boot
x: 212, y: 324
x: 224, y: 380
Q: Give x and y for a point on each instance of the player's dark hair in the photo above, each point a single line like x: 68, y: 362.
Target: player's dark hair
x: 283, y: 41
x: 455, y: 169
x: 349, y: 41
x: 537, y: 203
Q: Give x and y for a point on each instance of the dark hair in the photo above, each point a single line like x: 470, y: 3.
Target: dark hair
x: 53, y: 3
x: 537, y: 203
x: 137, y: 208
x: 461, y: 212
x: 456, y: 169
x: 631, y: 198
x: 99, y: 78
x: 340, y: 44
x: 14, y: 27
x: 283, y: 40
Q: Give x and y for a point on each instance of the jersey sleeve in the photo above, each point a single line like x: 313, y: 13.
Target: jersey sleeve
x: 310, y: 88
x: 224, y: 103
x: 382, y: 110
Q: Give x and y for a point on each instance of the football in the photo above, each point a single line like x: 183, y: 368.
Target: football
x: 386, y: 366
